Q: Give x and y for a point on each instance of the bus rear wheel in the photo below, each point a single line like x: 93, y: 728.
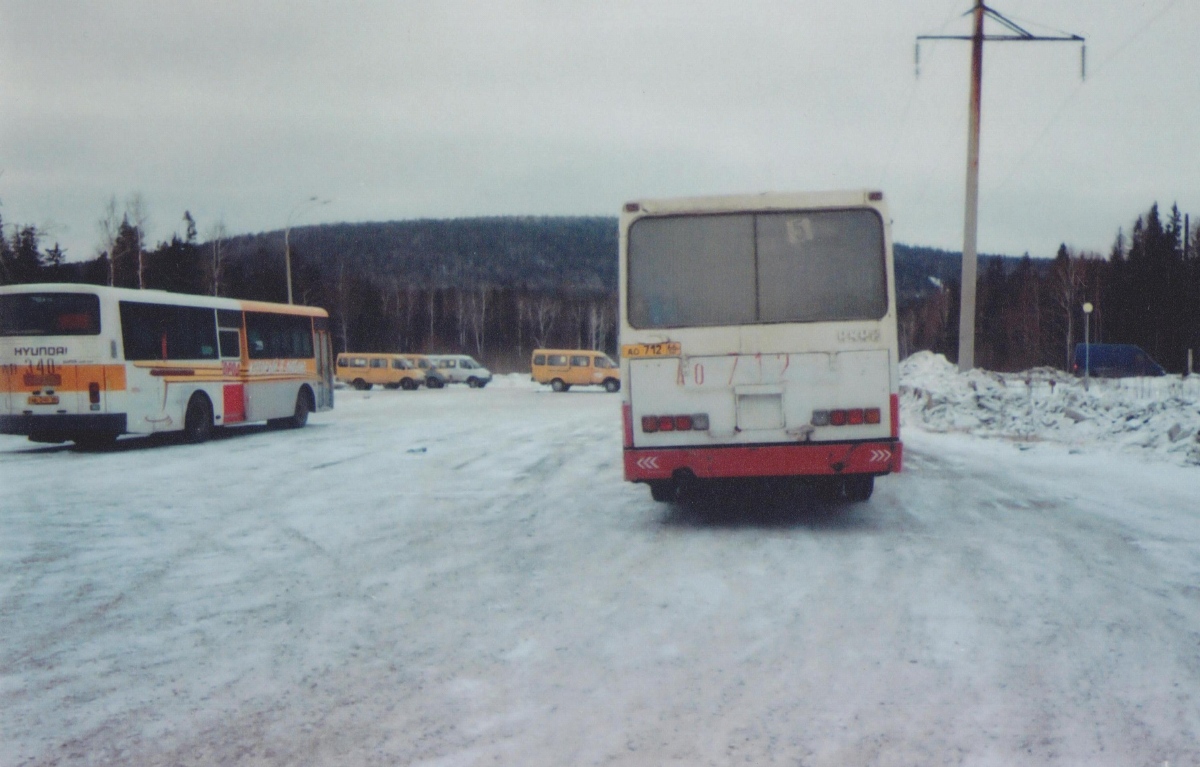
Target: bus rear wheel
x: 612, y: 385
x: 408, y: 384
x: 303, y: 408
x: 859, y: 487
x: 559, y: 385
x: 361, y: 385
x: 198, y: 421
x: 664, y: 490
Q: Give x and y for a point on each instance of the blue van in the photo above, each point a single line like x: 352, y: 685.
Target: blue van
x: 1114, y: 361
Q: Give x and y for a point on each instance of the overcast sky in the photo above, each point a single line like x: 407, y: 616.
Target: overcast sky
x: 240, y: 111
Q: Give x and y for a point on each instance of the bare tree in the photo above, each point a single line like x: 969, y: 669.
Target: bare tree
x: 579, y: 315
x: 543, y: 312
x: 599, y: 322
x: 460, y: 312
x: 135, y: 210
x: 109, y: 224
x: 217, y: 235
x: 1068, y: 284
x: 343, y: 295
x: 477, y: 303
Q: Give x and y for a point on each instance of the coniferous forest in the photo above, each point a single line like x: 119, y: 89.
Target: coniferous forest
x: 498, y: 287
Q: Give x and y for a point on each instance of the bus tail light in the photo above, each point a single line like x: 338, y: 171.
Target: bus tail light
x: 94, y: 393
x: 847, y: 417
x: 690, y: 422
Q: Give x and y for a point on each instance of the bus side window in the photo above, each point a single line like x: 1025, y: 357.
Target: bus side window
x: 539, y: 359
x: 279, y: 336
x: 255, y: 341
x: 163, y: 331
x: 579, y: 361
x: 231, y: 343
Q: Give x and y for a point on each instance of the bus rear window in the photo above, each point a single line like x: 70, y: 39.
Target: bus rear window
x: 49, y: 314
x: 751, y: 268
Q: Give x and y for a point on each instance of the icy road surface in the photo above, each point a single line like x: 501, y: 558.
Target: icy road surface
x: 461, y: 577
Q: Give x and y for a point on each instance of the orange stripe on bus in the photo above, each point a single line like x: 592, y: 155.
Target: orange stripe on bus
x: 65, y: 378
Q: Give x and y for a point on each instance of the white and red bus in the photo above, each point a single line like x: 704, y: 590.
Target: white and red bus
x: 758, y: 339
x: 86, y: 364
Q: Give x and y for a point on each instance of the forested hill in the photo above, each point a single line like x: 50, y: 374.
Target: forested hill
x: 537, y: 253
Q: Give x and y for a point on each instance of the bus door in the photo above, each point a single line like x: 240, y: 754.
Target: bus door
x: 324, y: 354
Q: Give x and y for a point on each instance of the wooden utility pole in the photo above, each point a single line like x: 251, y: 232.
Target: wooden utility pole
x: 970, y: 260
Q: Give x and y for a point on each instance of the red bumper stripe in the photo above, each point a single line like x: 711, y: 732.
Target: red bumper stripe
x: 766, y: 460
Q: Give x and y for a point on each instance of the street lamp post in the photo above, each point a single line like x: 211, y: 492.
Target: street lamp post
x: 287, y: 231
x: 1087, y: 344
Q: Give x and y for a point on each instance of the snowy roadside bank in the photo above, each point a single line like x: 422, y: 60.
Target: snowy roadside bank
x: 1158, y: 418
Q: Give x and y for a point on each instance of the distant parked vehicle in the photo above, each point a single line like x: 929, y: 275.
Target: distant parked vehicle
x: 433, y: 377
x: 564, y: 368
x: 460, y: 368
x: 362, y: 370
x: 1114, y: 361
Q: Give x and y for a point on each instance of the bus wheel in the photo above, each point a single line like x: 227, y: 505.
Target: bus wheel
x: 859, y: 487
x: 664, y: 490
x: 361, y: 385
x: 612, y: 385
x: 473, y: 382
x: 558, y: 385
x: 198, y: 421
x: 300, y: 415
x: 408, y: 384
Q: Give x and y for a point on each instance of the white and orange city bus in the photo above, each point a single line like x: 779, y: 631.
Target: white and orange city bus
x: 86, y: 364
x: 758, y: 339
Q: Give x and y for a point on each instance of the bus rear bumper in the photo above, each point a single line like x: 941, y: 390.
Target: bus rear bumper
x: 58, y: 427
x: 747, y: 461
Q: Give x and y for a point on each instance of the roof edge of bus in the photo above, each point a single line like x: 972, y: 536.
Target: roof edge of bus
x: 150, y: 293
x: 569, y: 351
x: 837, y: 198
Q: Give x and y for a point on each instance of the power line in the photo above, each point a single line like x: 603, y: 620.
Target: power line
x: 1062, y: 107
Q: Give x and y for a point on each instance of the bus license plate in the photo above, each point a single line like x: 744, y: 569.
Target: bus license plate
x: 637, y: 351
x: 43, y: 399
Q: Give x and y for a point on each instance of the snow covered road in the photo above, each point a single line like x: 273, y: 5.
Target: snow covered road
x: 460, y: 577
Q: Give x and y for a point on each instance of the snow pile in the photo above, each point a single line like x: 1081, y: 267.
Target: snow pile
x: 1157, y: 417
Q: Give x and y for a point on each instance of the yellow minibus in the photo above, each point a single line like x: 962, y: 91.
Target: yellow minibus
x: 362, y: 370
x: 564, y: 368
